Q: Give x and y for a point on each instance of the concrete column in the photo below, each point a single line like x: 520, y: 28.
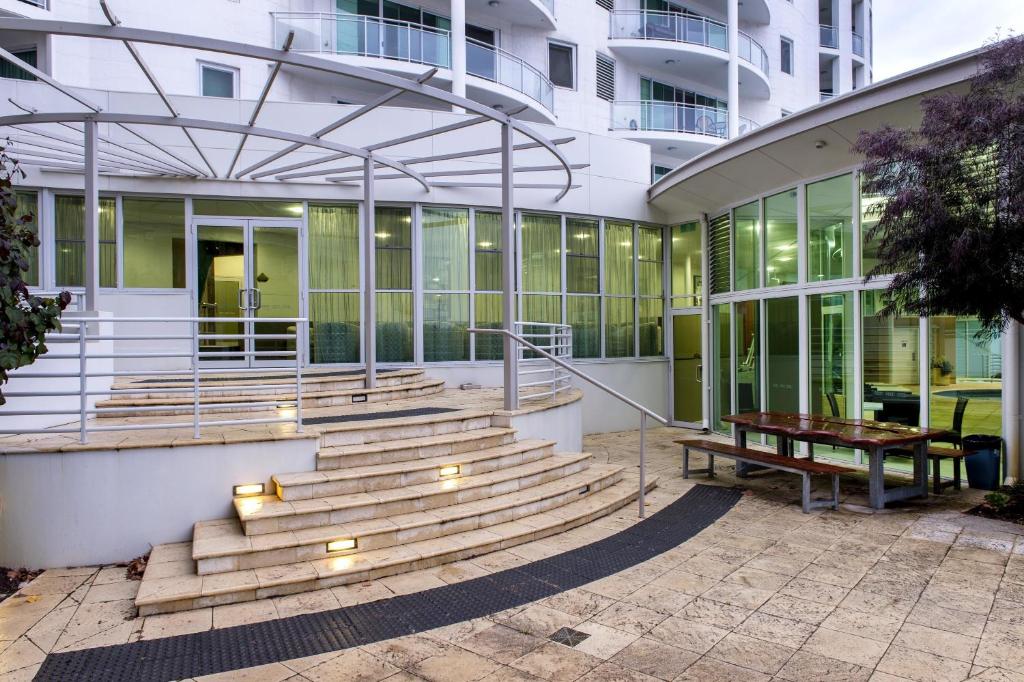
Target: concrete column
x: 1011, y: 349
x: 92, y: 218
x: 458, y: 37
x: 734, y: 67
x: 844, y: 29
x: 508, y: 268
x: 369, y: 275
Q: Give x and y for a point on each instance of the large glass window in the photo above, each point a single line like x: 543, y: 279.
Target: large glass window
x: 619, y: 289
x: 830, y: 321
x: 892, y: 371
x: 966, y: 377
x: 584, y: 314
x: 722, y: 379
x: 830, y: 229
x: 488, y: 251
x: 780, y: 239
x: 686, y: 265
x: 870, y: 205
x: 393, y: 235
x: 651, y: 277
x: 618, y: 327
x: 69, y: 241
x: 445, y: 325
x: 748, y: 356
x: 582, y: 278
x: 445, y: 268
x: 782, y: 354
x: 247, y: 208
x: 747, y: 247
x: 154, y: 243
x: 334, y: 310
x: 542, y: 253
x: 27, y: 205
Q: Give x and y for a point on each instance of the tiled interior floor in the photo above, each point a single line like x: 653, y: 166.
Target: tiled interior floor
x: 919, y: 592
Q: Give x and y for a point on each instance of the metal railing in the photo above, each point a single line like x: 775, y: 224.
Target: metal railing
x: 77, y: 298
x: 747, y: 124
x: 681, y: 28
x: 644, y: 412
x: 364, y: 36
x: 550, y: 4
x: 498, y: 66
x: 669, y: 117
x: 858, y: 44
x: 94, y: 343
x: 825, y: 95
x: 536, y: 371
x: 829, y: 36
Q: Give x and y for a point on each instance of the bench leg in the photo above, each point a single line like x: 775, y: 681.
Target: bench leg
x: 686, y: 462
x: 956, y: 473
x: 711, y: 465
x: 710, y: 470
x: 835, y: 491
x: 805, y: 495
x: 936, y: 475
x: 810, y: 451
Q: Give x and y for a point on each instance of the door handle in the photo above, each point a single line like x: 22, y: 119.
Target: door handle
x: 257, y: 298
x: 242, y: 297
x: 700, y: 372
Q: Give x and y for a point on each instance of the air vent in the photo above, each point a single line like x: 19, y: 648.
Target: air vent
x: 607, y: 4
x: 605, y: 78
x: 719, y: 248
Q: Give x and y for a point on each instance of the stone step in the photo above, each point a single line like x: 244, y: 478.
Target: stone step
x: 274, y: 381
x: 221, y: 546
x: 267, y: 514
x: 409, y: 449
x: 398, y: 428
x: 183, y: 405
x: 190, y: 590
x: 363, y: 479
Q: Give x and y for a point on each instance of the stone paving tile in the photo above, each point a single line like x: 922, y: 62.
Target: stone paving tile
x: 654, y: 658
x: 804, y: 666
x: 552, y: 661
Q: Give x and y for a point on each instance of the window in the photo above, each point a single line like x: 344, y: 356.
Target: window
x: 218, y: 81
x: 650, y: 272
x: 446, y: 277
x: 69, y: 241
x: 781, y: 239
x: 487, y: 307
x: 393, y: 233
x: 27, y: 205
x: 562, y: 64
x: 748, y: 356
x: 620, y: 288
x: 582, y: 276
x: 605, y: 77
x: 334, y: 334
x: 154, y: 243
x: 830, y: 229
x: 721, y: 380
x: 747, y: 247
x: 786, y: 56
x: 686, y: 272
x: 10, y: 70
x: 658, y: 172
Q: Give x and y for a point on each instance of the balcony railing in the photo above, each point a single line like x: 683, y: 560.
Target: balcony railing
x: 655, y: 25
x: 858, y: 44
x: 747, y: 124
x: 829, y: 36
x: 670, y: 117
x: 826, y: 95
x: 496, y: 65
x: 408, y: 42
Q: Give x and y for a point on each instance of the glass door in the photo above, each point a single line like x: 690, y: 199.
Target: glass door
x: 687, y: 364
x: 247, y: 270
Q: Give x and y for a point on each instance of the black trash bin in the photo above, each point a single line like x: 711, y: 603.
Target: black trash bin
x: 983, y: 461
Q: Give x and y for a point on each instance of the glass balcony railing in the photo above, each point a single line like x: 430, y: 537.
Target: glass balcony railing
x: 364, y: 36
x: 858, y: 44
x: 747, y: 124
x: 829, y: 36
x: 655, y: 25
x: 826, y: 95
x: 669, y: 117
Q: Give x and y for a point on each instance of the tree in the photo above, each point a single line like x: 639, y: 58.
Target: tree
x: 952, y: 223
x: 24, y: 319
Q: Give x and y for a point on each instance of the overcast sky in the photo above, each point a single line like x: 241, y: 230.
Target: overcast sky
x: 912, y: 33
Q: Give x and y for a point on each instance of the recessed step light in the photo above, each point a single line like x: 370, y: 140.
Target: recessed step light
x: 341, y: 545
x: 247, y: 489
x: 451, y: 470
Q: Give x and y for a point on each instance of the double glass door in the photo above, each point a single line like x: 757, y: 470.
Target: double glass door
x: 247, y: 270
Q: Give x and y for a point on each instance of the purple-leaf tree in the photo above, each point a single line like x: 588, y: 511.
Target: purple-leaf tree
x: 952, y: 224
x: 24, y: 319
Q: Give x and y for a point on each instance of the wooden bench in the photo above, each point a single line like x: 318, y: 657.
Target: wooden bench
x: 804, y: 467
x: 936, y: 455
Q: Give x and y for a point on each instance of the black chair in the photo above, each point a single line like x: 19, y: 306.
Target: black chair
x: 956, y: 431
x: 833, y: 404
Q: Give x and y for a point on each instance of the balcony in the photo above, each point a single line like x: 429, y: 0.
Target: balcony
x: 696, y: 45
x: 825, y: 95
x: 673, y: 129
x: 534, y: 13
x: 829, y: 36
x: 496, y: 76
x: 858, y: 44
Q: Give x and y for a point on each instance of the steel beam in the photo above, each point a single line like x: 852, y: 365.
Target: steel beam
x: 369, y: 275
x: 92, y: 218
x: 466, y: 171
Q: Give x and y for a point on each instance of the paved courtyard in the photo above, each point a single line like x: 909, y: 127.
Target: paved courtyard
x: 919, y: 592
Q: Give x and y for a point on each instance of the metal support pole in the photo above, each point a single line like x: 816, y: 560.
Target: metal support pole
x: 83, y: 384
x: 195, y: 378
x: 369, y: 275
x: 643, y: 464
x: 298, y: 376
x: 92, y: 217
x: 508, y: 270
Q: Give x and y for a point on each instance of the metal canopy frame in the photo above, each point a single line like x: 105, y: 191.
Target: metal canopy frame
x: 96, y: 153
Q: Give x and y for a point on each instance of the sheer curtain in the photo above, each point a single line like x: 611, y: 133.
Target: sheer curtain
x: 542, y: 253
x: 69, y: 240
x: 446, y: 249
x: 334, y: 329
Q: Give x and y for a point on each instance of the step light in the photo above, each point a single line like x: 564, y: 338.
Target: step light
x: 247, y: 489
x: 341, y: 545
x: 450, y: 470
x: 359, y: 398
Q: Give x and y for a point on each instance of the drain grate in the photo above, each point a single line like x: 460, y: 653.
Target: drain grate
x: 370, y: 416
x: 569, y: 637
x: 246, y: 646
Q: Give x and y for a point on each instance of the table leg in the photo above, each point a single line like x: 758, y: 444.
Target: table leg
x: 740, y: 439
x: 876, y: 478
x: 921, y: 467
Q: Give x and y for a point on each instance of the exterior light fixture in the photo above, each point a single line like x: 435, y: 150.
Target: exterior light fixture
x: 450, y: 470
x: 341, y: 545
x: 493, y: 3
x: 820, y: 144
x: 247, y: 489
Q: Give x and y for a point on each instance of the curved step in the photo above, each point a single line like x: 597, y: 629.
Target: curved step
x: 220, y: 546
x: 249, y: 402
x: 409, y: 449
x: 382, y: 430
x: 267, y: 514
x: 165, y: 595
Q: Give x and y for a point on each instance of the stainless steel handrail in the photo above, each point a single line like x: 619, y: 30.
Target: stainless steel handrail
x: 644, y: 412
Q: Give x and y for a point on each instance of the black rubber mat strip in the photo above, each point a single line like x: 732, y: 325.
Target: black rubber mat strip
x: 266, y: 377
x: 370, y: 416
x: 246, y: 646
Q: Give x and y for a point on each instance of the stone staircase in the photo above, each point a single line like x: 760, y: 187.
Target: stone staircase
x: 390, y: 494
x: 320, y: 388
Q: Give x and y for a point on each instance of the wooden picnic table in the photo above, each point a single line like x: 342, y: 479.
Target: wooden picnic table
x: 877, y: 438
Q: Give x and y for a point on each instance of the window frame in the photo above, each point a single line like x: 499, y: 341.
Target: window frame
x: 202, y: 65
x: 573, y: 66
x: 783, y: 42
